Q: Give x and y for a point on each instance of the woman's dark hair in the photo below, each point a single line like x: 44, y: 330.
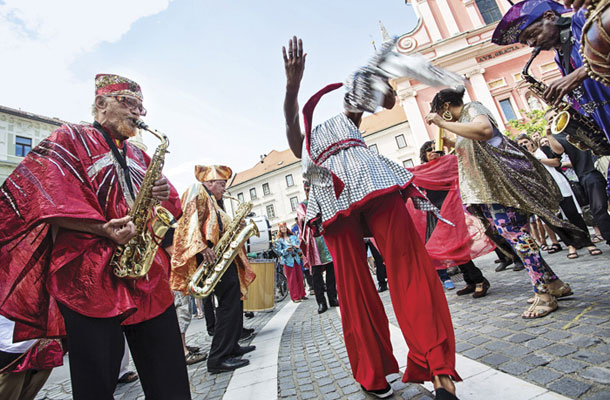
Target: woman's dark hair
x: 524, y: 136
x: 453, y: 96
x: 426, y: 147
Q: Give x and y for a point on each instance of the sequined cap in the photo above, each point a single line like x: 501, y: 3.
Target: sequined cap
x: 520, y: 16
x: 114, y: 85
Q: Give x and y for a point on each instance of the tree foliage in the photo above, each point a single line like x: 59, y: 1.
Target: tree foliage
x: 533, y: 122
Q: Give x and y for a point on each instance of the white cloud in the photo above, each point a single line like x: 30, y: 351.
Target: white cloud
x: 41, y: 39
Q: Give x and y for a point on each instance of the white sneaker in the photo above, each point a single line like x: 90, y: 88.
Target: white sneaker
x: 380, y: 393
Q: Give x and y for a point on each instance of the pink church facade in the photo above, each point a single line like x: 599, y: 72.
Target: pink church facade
x: 456, y: 35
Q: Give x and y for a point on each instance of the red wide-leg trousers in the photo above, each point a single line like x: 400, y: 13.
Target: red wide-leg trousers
x: 294, y: 278
x: 417, y: 296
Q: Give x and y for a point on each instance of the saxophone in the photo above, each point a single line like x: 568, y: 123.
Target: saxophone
x: 206, y: 276
x: 134, y: 259
x: 581, y: 130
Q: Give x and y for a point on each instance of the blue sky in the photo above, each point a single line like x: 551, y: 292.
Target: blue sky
x: 211, y: 72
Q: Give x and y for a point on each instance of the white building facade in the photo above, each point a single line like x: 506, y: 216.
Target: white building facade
x: 20, y: 132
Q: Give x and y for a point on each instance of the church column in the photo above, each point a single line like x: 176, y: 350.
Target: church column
x: 475, y: 18
x: 479, y: 86
x: 443, y: 6
x: 414, y: 115
x: 429, y: 20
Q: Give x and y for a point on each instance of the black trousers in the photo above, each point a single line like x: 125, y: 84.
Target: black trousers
x: 472, y: 274
x: 382, y: 278
x: 229, y: 317
x: 95, y: 349
x: 208, y: 313
x: 318, y: 283
x: 308, y: 278
x: 595, y: 186
x: 571, y: 238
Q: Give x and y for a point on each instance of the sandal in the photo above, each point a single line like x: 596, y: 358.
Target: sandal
x: 544, y: 247
x: 555, y: 247
x: 194, y: 349
x: 193, y: 358
x: 481, y: 289
x: 540, y: 308
x: 597, y: 238
x: 572, y: 256
x: 562, y: 291
x: 595, y: 252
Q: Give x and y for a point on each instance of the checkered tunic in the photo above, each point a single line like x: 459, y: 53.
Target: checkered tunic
x: 362, y: 171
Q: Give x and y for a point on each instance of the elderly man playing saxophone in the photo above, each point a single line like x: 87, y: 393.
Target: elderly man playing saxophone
x: 65, y: 208
x: 202, y: 225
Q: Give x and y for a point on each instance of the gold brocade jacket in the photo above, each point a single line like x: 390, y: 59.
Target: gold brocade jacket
x: 198, y: 227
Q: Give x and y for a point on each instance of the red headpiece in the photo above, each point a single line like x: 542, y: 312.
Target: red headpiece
x: 109, y: 84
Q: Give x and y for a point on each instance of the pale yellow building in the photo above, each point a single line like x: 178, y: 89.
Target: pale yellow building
x: 20, y: 132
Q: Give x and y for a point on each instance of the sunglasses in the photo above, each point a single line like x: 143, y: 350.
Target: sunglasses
x: 131, y: 103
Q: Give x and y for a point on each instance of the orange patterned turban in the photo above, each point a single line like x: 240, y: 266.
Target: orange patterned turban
x: 205, y: 173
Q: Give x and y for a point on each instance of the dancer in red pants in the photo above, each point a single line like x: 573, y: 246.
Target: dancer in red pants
x: 356, y: 193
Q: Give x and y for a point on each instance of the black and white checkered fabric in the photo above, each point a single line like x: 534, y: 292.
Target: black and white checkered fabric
x: 362, y: 171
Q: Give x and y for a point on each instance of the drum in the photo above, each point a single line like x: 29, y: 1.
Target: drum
x: 595, y: 42
x: 261, y: 292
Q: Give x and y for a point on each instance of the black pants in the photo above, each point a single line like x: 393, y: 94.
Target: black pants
x: 571, y: 238
x: 595, y: 186
x: 229, y: 317
x: 208, y: 313
x: 308, y: 278
x: 95, y: 349
x: 472, y: 274
x: 318, y: 283
x: 382, y: 279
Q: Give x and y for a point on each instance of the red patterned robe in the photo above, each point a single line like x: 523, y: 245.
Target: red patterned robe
x: 72, y: 174
x: 448, y: 245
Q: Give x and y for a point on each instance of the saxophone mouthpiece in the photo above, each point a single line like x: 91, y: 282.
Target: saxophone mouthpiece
x: 140, y: 124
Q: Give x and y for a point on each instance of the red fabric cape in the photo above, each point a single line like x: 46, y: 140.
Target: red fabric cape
x: 448, y: 245
x: 71, y: 174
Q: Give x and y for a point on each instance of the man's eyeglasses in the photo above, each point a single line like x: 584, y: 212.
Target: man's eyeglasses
x: 131, y: 103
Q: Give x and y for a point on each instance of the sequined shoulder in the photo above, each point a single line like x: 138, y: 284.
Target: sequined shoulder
x: 474, y: 109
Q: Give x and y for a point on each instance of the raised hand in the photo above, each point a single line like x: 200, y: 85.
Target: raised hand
x: 294, y: 62
x: 433, y: 118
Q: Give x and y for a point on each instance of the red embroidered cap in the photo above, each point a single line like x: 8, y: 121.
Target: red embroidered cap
x: 114, y: 85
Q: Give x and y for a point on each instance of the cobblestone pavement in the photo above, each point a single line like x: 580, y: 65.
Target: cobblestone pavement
x: 567, y: 352
x: 204, y: 386
x: 313, y: 361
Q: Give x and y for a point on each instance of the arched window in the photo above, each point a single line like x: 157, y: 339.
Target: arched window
x: 489, y: 10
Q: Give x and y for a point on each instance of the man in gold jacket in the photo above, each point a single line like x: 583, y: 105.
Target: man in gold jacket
x: 201, y: 226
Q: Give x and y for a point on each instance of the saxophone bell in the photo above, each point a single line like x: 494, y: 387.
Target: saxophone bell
x: 581, y: 130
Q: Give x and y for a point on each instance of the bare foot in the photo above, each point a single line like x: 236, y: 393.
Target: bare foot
x: 445, y: 382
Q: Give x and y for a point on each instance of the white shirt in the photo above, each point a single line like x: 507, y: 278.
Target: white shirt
x: 562, y: 181
x: 6, y: 338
